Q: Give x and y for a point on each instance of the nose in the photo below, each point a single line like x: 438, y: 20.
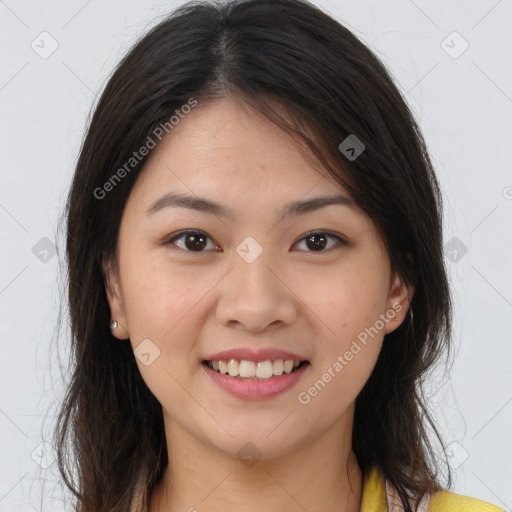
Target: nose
x: 256, y: 296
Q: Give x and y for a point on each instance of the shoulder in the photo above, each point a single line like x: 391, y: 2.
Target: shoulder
x: 379, y: 497
x: 446, y: 501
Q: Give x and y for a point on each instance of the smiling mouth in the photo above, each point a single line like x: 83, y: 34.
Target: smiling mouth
x: 255, y: 371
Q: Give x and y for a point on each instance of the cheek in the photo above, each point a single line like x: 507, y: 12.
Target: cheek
x: 346, y: 301
x: 348, y: 338
x: 331, y: 389
x: 165, y: 307
x: 344, y: 360
x: 159, y: 300
x: 162, y: 307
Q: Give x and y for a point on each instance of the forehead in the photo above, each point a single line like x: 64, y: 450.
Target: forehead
x: 228, y: 148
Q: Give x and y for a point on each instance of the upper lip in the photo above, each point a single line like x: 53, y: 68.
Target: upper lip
x: 251, y: 354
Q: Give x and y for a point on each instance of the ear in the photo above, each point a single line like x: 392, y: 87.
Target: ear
x: 115, y: 300
x: 400, y: 297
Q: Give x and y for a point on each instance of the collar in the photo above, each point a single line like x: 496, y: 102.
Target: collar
x: 374, y: 492
x: 379, y: 495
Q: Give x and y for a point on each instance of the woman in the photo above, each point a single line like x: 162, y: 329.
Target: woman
x: 255, y: 217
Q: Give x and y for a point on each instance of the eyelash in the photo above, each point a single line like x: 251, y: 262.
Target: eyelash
x: 181, y: 234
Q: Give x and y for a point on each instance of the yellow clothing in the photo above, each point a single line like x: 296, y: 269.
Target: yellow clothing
x: 374, y: 498
x: 376, y: 495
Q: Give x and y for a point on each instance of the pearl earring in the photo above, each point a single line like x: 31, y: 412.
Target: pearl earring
x: 113, y: 325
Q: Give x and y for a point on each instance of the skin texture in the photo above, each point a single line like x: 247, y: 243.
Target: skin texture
x: 293, y: 297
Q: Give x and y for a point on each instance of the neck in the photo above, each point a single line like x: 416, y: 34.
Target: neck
x: 318, y: 476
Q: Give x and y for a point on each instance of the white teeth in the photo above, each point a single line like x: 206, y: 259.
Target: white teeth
x: 250, y: 369
x: 277, y: 367
x: 233, y: 367
x: 288, y: 366
x: 247, y: 369
x: 264, y: 369
x: 223, y: 367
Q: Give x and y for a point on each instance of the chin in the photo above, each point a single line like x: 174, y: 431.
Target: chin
x: 251, y: 442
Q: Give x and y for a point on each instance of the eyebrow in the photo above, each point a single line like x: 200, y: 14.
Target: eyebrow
x: 203, y: 204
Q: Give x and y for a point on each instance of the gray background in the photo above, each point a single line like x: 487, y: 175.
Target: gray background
x: 462, y: 99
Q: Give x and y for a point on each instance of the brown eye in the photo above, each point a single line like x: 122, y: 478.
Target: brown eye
x: 318, y: 240
x: 193, y: 241
x: 197, y: 241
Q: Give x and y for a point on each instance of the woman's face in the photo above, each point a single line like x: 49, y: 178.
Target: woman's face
x: 252, y: 283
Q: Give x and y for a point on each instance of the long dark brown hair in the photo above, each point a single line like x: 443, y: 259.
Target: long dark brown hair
x: 285, y: 53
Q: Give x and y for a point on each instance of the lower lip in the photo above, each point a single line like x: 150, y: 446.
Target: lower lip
x: 254, y: 389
